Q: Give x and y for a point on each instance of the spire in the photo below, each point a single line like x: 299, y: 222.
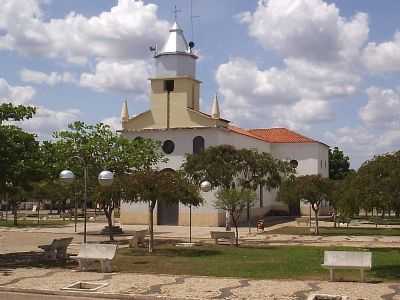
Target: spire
x: 124, y: 112
x: 176, y: 42
x: 215, y: 113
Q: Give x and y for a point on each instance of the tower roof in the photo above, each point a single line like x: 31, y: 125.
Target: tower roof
x: 215, y: 112
x: 176, y: 42
x: 124, y: 112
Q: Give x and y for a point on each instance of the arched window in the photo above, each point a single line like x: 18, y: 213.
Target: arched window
x: 198, y: 144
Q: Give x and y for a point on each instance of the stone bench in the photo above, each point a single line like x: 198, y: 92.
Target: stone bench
x: 90, y: 254
x: 57, y: 250
x: 226, y: 235
x: 303, y: 221
x: 347, y: 260
x: 138, y: 238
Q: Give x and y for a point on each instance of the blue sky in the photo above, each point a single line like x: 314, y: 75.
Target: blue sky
x: 328, y: 69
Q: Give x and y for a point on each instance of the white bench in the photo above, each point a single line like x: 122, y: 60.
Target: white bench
x: 226, y: 235
x: 93, y: 253
x: 137, y: 238
x: 347, y: 260
x: 57, y: 249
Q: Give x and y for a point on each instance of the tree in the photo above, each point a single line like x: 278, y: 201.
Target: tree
x: 339, y: 164
x: 19, y: 155
x: 345, y: 198
x: 225, y: 167
x: 312, y: 188
x: 10, y: 112
x: 377, y: 182
x: 152, y: 187
x: 261, y: 170
x: 234, y: 201
x: 102, y: 149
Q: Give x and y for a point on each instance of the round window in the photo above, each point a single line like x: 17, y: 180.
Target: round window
x: 294, y: 163
x: 168, y: 147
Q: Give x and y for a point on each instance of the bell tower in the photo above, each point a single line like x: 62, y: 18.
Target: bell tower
x: 174, y: 87
x: 175, y: 91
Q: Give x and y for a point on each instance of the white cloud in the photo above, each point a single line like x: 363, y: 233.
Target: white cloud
x: 384, y: 57
x: 51, y: 79
x: 382, y: 108
x: 15, y: 94
x: 310, y: 29
x: 124, y: 32
x: 47, y: 121
x: 113, y: 122
x: 321, y: 54
x: 295, y: 96
x: 126, y: 76
x: 362, y: 143
x: 302, y: 113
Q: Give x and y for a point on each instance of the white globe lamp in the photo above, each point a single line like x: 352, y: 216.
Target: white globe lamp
x: 205, y: 186
x: 67, y: 177
x: 106, y: 178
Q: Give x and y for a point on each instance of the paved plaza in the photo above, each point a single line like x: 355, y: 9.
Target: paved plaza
x: 146, y: 286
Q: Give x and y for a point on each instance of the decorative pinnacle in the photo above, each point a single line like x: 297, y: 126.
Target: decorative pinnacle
x: 215, y: 112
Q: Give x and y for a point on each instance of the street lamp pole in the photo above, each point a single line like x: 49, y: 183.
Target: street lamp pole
x: 85, y: 174
x: 68, y: 177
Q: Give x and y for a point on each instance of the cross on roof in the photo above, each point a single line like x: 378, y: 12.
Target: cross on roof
x: 176, y: 11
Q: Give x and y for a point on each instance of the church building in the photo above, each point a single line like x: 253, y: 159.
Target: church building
x: 175, y: 119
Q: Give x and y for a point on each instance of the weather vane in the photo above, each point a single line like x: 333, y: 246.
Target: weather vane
x: 192, y: 18
x: 176, y: 11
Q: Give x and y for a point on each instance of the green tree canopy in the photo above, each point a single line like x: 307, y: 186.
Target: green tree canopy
x: 10, y: 112
x: 102, y: 149
x: 339, y: 164
x: 152, y: 186
x: 234, y: 201
x: 19, y: 155
x: 312, y: 188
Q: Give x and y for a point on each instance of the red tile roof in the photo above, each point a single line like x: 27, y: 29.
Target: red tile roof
x: 281, y: 135
x: 245, y: 132
x: 274, y: 135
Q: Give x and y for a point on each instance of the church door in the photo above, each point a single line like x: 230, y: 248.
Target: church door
x: 167, y: 213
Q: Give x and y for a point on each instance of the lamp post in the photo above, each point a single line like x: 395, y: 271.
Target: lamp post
x: 105, y: 178
x: 205, y: 186
x: 68, y: 177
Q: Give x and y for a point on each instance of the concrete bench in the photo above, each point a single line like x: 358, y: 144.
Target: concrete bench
x: 303, y: 221
x: 90, y: 254
x: 347, y: 260
x: 138, y: 238
x: 226, y: 235
x: 57, y: 250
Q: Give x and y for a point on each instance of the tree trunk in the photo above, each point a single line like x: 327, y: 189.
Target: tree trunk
x: 15, y: 212
x: 227, y: 221
x: 334, y: 218
x: 151, y: 226
x: 248, y: 217
x: 38, y: 213
x: 235, y: 223
x: 108, y: 212
x: 315, y: 208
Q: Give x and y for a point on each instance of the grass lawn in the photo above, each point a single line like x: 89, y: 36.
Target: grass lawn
x: 330, y: 231
x: 292, y: 262
x: 33, y: 223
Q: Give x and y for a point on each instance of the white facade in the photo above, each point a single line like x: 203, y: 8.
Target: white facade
x: 184, y: 123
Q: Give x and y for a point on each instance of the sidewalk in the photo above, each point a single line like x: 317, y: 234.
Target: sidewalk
x: 31, y: 237
x: 187, y: 287
x: 147, y: 286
